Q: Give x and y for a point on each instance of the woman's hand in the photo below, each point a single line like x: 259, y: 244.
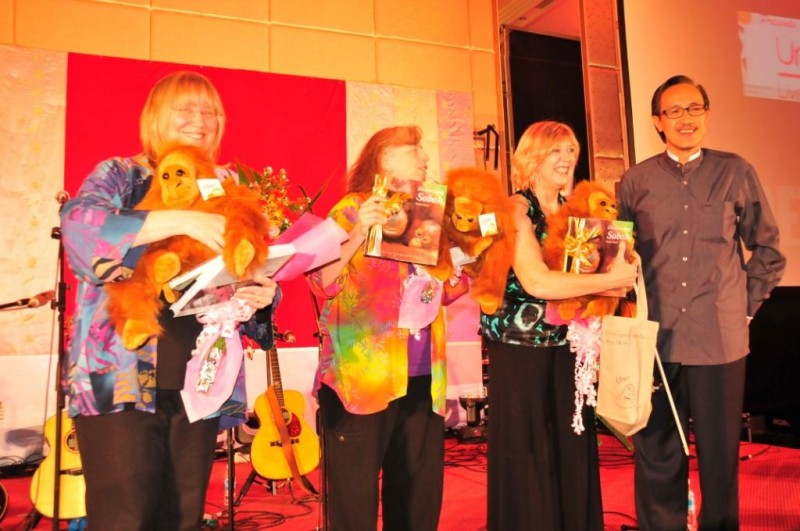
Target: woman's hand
x: 622, y: 272
x: 258, y: 295
x: 371, y: 212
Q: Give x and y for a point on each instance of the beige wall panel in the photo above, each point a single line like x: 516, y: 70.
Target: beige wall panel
x: 441, y: 21
x: 356, y: 16
x: 423, y: 65
x: 33, y: 86
x: 484, y: 90
x: 86, y: 27
x: 6, y: 21
x: 481, y: 24
x: 211, y: 41
x: 322, y: 54
x: 372, y: 107
x: 605, y: 114
x: 600, y: 34
x: 608, y: 171
x: 248, y: 9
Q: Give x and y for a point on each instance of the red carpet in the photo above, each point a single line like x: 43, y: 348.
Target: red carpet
x: 769, y: 484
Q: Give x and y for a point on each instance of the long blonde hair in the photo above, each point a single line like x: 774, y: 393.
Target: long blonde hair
x: 173, y: 90
x: 534, y: 145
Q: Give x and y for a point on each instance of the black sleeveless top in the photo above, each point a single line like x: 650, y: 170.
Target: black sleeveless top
x: 520, y: 321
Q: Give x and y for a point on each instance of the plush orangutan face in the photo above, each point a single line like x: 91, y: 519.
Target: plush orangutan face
x: 465, y: 214
x: 602, y: 206
x: 177, y: 177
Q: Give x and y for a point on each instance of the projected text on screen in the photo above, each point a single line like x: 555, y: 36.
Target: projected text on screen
x: 770, y: 56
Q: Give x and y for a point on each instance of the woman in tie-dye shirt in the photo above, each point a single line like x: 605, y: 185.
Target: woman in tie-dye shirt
x: 381, y: 388
x: 145, y: 465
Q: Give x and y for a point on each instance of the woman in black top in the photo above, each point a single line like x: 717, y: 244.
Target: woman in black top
x: 541, y: 474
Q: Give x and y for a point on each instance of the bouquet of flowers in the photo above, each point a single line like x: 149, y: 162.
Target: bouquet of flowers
x: 281, y: 203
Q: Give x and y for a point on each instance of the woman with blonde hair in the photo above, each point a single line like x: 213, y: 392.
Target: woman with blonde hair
x: 534, y: 455
x: 145, y: 465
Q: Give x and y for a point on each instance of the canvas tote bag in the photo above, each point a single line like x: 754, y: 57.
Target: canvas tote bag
x: 627, y: 355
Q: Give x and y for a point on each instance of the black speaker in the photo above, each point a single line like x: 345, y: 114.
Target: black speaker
x: 773, y: 369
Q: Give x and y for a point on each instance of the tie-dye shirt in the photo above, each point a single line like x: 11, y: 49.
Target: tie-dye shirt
x: 98, y: 231
x: 364, y: 356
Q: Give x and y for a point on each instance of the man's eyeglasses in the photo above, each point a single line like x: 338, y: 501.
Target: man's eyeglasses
x: 189, y: 112
x: 677, y: 112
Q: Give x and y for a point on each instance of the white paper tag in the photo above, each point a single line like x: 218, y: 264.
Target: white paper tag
x: 488, y: 224
x: 459, y: 257
x: 210, y: 188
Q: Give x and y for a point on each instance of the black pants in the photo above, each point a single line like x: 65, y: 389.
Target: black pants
x: 146, y: 471
x: 405, y: 442
x: 542, y: 475
x: 712, y: 395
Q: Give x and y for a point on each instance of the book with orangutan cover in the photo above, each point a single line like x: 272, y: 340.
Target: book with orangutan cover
x: 414, y: 228
x: 592, y: 244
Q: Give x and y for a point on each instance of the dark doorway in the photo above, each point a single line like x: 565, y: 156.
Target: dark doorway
x: 543, y: 80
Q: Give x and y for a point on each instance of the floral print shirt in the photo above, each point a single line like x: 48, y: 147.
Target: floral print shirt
x: 99, y: 227
x: 364, y: 357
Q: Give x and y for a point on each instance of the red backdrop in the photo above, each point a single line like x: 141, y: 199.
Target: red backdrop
x: 291, y: 122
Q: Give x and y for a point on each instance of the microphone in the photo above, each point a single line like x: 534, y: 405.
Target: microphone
x: 286, y: 337
x: 62, y: 196
x: 38, y: 299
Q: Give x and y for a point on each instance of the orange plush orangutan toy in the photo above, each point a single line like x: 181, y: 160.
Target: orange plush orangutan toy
x: 589, y: 199
x: 134, y: 303
x: 479, y: 220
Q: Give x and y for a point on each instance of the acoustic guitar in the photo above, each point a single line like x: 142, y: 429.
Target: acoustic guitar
x: 267, y: 454
x: 3, y: 502
x: 72, y: 493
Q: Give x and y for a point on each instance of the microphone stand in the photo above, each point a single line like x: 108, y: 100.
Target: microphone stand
x: 15, y: 305
x: 324, y: 525
x: 60, y: 305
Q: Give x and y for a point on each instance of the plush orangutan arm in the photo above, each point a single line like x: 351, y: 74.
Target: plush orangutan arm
x: 542, y: 282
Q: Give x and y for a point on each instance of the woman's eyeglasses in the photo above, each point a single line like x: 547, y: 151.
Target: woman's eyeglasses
x: 189, y: 112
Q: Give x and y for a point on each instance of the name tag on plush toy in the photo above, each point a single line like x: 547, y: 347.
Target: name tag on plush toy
x: 488, y: 224
x: 210, y: 188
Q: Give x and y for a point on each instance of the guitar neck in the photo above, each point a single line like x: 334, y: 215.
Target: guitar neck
x: 275, y: 374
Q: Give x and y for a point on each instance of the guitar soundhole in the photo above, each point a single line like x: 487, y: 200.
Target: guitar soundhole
x: 71, y: 441
x: 293, y: 425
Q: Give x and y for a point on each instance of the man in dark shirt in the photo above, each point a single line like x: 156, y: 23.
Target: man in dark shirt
x: 694, y: 210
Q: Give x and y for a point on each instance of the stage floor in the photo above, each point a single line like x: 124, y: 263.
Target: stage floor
x: 769, y: 485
